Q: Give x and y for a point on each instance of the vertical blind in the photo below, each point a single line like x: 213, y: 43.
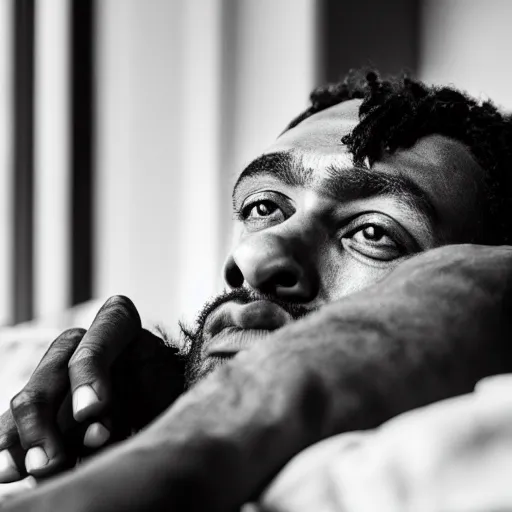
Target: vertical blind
x: 120, y: 131
x: 46, y: 152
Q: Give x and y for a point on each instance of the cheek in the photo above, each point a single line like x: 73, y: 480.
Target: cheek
x: 344, y: 274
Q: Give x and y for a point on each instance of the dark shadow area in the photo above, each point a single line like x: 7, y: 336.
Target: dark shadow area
x: 82, y: 147
x: 23, y: 158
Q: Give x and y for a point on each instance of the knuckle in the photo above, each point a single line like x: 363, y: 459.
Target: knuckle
x: 26, y: 399
x: 60, y: 352
x: 8, y: 437
x: 69, y: 338
x: 74, y: 332
x: 8, y: 430
x: 82, y: 354
x: 120, y: 301
x: 122, y: 306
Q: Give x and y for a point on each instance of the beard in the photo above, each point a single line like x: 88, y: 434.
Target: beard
x: 196, y: 365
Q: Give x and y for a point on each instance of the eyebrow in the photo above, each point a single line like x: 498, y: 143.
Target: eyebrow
x: 340, y: 182
x: 279, y: 165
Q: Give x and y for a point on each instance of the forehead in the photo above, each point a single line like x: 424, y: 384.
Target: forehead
x: 442, y: 167
x: 320, y: 136
x: 321, y: 133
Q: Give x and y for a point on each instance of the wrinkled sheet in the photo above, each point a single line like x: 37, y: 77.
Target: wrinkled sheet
x: 454, y: 455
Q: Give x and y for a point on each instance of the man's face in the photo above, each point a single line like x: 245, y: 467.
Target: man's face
x: 311, y: 227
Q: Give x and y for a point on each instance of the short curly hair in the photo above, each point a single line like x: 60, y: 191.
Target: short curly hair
x: 398, y: 111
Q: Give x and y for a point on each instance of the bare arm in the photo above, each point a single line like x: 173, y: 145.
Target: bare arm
x: 429, y: 331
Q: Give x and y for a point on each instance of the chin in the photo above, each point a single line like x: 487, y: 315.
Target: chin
x: 199, y: 370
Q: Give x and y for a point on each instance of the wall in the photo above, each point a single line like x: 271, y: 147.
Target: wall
x: 467, y: 43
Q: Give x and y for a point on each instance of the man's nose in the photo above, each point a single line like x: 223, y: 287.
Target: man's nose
x: 273, y: 264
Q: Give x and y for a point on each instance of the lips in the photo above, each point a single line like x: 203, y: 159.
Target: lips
x: 232, y: 339
x: 234, y: 327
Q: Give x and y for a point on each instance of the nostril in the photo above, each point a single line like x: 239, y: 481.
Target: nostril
x: 286, y: 279
x: 234, y: 277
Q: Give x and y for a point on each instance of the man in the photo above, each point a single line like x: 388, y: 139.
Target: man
x: 339, y: 323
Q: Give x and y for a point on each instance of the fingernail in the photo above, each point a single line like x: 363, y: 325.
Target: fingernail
x: 35, y: 459
x: 83, y: 398
x: 8, y: 469
x: 96, y: 435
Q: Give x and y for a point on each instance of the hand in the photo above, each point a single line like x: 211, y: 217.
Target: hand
x: 452, y: 455
x: 89, y: 387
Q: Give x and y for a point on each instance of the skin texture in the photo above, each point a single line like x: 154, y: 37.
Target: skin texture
x: 441, y: 167
x: 302, y: 244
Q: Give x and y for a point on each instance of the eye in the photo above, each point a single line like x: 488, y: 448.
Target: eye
x: 259, y: 209
x: 376, y: 242
x: 373, y: 234
x: 263, y: 210
x: 260, y: 212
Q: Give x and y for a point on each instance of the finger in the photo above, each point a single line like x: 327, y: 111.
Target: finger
x: 73, y: 432
x: 501, y: 383
x: 34, y: 409
x: 8, y: 430
x: 9, y: 466
x: 96, y: 435
x: 12, y: 466
x: 116, y: 325
x: 12, y: 489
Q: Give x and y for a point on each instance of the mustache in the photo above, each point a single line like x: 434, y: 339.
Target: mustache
x: 241, y: 296
x: 193, y: 338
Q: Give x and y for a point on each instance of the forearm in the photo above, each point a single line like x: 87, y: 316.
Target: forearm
x: 351, y: 366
